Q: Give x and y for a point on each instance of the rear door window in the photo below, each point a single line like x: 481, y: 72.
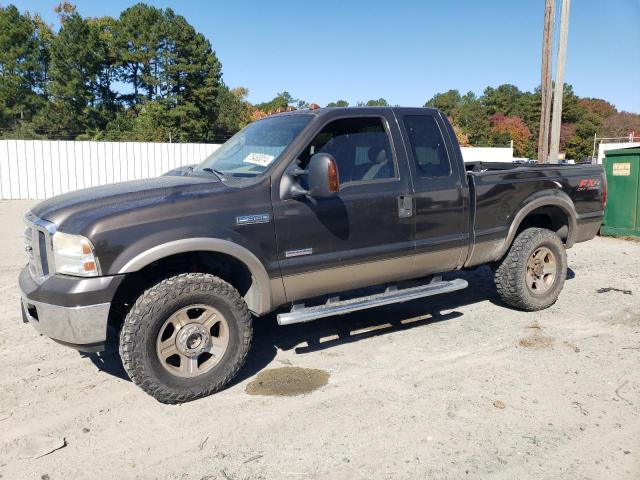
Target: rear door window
x: 427, y: 146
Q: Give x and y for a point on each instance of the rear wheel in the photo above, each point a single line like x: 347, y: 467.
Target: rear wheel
x: 531, y: 276
x: 186, y: 337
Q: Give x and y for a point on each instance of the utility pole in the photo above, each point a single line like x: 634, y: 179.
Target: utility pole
x: 545, y: 83
x: 554, y: 149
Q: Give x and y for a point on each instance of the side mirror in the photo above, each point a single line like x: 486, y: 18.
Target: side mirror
x: 323, y: 178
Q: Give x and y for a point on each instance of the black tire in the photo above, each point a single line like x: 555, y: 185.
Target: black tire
x: 510, y: 274
x: 148, y: 315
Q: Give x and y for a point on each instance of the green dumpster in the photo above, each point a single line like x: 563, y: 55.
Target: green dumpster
x: 622, y: 214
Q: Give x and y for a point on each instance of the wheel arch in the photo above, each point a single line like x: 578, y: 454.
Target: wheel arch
x: 544, y: 203
x: 259, y: 294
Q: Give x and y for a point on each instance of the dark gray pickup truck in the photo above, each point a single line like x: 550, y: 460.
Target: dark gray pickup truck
x: 300, y: 212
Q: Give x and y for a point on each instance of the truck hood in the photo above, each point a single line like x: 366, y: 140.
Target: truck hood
x: 72, y: 211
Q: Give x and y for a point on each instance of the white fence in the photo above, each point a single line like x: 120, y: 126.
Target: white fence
x: 37, y: 169
x: 487, y: 154
x: 603, y: 147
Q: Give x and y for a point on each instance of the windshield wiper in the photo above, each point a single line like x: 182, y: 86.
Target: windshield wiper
x: 217, y: 173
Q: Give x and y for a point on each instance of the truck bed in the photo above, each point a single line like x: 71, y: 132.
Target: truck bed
x: 499, y: 191
x: 479, y: 166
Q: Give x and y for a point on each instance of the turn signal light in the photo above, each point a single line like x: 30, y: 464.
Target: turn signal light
x: 334, y: 182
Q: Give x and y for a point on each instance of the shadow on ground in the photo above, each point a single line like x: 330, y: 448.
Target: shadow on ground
x: 268, y: 336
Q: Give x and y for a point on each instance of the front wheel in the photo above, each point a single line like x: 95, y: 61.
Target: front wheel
x: 186, y: 337
x: 531, y: 276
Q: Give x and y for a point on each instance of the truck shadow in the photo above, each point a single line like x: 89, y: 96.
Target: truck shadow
x: 326, y: 333
x: 269, y: 337
x: 323, y: 334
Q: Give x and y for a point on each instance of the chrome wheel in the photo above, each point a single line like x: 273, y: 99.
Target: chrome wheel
x: 541, y: 271
x: 192, y: 340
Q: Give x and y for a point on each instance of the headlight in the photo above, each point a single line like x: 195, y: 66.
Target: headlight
x: 74, y: 255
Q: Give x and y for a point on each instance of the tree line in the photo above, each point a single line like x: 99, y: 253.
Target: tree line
x: 148, y: 75
x: 506, y: 114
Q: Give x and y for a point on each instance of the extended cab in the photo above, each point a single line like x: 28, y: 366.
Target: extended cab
x: 298, y: 211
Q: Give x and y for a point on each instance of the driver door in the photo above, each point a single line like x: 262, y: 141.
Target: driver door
x: 361, y: 237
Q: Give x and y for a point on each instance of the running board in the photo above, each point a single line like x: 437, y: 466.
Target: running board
x: 334, y: 306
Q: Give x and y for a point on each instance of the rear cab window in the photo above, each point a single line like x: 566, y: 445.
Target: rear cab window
x: 427, y: 146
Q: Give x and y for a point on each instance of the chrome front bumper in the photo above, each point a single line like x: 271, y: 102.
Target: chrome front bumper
x: 72, y: 311
x: 83, y: 328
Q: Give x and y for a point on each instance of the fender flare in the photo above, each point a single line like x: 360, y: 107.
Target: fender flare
x: 549, y: 198
x: 258, y: 297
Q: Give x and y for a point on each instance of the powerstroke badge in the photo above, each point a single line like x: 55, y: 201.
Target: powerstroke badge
x: 250, y: 219
x: 298, y: 253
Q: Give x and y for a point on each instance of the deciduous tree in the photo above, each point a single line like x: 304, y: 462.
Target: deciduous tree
x: 505, y: 128
x: 621, y: 124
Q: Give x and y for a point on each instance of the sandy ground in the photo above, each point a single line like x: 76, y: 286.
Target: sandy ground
x: 455, y: 387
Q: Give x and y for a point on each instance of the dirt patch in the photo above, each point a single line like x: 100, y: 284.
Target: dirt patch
x: 536, y: 342
x: 287, y: 381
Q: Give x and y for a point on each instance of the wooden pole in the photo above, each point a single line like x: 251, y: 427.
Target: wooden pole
x: 556, y: 119
x: 545, y: 82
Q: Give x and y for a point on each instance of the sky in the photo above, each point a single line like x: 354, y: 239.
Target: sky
x: 404, y: 51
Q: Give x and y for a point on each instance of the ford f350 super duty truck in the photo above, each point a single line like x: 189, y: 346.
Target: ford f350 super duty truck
x: 298, y: 212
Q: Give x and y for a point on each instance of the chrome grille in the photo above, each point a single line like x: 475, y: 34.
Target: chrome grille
x: 38, y: 246
x: 28, y: 247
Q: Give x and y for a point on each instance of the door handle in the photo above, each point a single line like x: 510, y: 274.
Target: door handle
x: 405, y: 206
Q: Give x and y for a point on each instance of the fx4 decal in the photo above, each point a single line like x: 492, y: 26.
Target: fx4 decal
x: 589, y: 184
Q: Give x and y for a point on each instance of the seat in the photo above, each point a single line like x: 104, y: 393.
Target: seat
x: 341, y: 148
x: 380, y: 165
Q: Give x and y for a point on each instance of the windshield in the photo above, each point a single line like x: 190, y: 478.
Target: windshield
x: 254, y: 148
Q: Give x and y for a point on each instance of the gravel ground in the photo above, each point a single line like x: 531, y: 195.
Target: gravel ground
x: 456, y: 386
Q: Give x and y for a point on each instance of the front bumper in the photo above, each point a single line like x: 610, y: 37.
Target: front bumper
x: 72, y: 311
x: 83, y: 328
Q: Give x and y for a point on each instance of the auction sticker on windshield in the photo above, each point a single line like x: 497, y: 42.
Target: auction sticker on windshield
x: 261, y: 159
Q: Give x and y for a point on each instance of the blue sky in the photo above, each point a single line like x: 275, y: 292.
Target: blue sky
x: 404, y: 51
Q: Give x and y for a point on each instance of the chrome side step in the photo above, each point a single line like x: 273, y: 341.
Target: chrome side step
x: 335, y: 306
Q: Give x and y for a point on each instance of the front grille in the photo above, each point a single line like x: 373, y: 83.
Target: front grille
x: 37, y: 244
x: 28, y: 247
x: 42, y: 246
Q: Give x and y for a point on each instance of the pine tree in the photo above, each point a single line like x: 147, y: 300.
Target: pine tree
x: 73, y: 73
x: 22, y: 72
